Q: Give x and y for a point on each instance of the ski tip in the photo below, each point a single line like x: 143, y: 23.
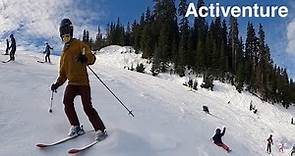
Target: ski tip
x: 41, y: 145
x: 73, y: 151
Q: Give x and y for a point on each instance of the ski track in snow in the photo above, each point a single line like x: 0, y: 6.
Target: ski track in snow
x: 168, y: 118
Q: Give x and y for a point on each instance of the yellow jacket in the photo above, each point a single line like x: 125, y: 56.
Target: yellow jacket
x: 72, y: 70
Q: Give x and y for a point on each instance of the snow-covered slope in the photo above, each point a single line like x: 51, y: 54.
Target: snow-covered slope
x: 168, y: 118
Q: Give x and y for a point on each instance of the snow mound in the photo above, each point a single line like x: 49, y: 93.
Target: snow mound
x: 122, y: 57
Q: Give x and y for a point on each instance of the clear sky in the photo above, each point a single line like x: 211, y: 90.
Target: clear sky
x: 276, y: 28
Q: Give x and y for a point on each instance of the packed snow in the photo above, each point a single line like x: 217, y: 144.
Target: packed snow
x: 169, y: 120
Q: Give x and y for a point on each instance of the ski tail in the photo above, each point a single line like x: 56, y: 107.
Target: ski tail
x: 78, y: 150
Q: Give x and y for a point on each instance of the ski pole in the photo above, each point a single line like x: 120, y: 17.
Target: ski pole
x: 51, y: 100
x: 129, y: 111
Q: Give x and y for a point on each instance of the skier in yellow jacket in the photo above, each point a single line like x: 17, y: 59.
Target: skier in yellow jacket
x: 73, y: 67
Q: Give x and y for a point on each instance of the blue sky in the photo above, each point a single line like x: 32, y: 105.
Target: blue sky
x: 276, y: 28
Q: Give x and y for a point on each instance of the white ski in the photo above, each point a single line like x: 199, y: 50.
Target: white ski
x: 42, y: 145
x: 77, y: 150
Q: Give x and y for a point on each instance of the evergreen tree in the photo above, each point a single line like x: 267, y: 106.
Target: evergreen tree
x: 285, y: 93
x: 184, y: 55
x: 217, y: 44
x: 136, y: 35
x: 147, y: 45
x: 224, y: 57
x: 263, y: 64
x: 166, y: 19
x: 84, y: 38
x: 251, y: 43
x: 98, y: 43
x: 240, y: 76
x: 127, y: 36
x: 87, y: 37
x: 156, y: 62
x: 200, y: 33
x: 233, y: 44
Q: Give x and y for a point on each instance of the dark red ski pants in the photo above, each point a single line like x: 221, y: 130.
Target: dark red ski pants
x: 84, y: 91
x: 224, y: 146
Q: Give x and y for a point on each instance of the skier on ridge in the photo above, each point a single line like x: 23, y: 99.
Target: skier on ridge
x: 74, y: 59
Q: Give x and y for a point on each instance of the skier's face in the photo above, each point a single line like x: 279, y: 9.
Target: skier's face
x: 66, y: 38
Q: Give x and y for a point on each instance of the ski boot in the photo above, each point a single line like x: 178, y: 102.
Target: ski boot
x: 76, y: 130
x: 100, y: 135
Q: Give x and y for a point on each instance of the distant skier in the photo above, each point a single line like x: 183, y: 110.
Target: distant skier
x: 7, y: 47
x: 206, y: 109
x: 12, y: 47
x: 75, y: 57
x: 281, y: 147
x: 251, y: 106
x: 217, y: 139
x: 255, y: 111
x: 195, y: 85
x: 292, y: 121
x: 269, y: 143
x: 292, y: 153
x: 190, y: 83
x: 47, y: 52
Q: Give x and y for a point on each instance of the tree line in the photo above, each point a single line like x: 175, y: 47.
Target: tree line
x: 212, y: 49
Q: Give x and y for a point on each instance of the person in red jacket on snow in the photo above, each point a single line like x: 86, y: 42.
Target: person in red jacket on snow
x: 217, y: 139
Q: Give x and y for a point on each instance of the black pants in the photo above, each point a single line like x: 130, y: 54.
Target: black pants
x: 84, y: 91
x: 268, y: 148
x: 12, y: 53
x: 6, y: 52
x: 47, y: 56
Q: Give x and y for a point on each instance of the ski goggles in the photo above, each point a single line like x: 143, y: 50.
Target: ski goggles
x: 66, y: 38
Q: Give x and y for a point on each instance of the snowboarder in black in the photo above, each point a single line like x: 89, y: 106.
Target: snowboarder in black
x: 217, y: 139
x: 47, y: 52
x: 12, y: 47
x: 269, y: 143
x: 7, y: 47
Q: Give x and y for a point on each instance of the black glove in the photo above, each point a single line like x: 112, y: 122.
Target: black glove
x: 54, y: 87
x: 82, y: 58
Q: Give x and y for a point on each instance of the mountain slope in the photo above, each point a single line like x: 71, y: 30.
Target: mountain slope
x: 168, y: 118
